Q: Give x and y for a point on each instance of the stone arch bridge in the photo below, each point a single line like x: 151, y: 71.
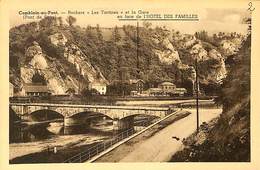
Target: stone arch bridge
x: 122, y: 115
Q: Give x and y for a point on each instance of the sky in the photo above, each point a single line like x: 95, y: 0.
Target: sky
x: 211, y: 20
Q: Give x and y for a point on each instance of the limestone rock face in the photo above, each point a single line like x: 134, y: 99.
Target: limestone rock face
x: 40, y: 64
x: 219, y: 72
x: 60, y: 75
x: 168, y: 54
x: 58, y: 39
x: 231, y: 46
x: 213, y: 63
x: 56, y: 75
x: 189, y: 41
x: 33, y: 50
x: 81, y: 62
x: 198, y: 51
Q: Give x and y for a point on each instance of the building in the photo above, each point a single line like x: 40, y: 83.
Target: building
x: 101, y: 87
x: 36, y: 90
x: 133, y: 93
x: 11, y: 90
x: 154, y: 92
x: 167, y: 87
x: 137, y: 85
x: 180, y: 91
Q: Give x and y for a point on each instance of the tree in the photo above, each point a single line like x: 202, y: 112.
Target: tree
x: 99, y: 33
x: 39, y: 79
x: 48, y: 22
x: 71, y: 20
x: 147, y: 24
x: 71, y: 91
x: 88, y: 93
x: 236, y: 86
x: 60, y: 21
x: 49, y: 48
x: 89, y: 33
x: 116, y: 37
x: 202, y: 35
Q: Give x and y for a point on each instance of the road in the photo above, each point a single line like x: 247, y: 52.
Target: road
x: 161, y: 146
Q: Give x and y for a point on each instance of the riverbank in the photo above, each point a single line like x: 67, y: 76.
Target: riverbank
x: 37, y: 152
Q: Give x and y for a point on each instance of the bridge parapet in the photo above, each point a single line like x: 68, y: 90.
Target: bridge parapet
x: 69, y: 110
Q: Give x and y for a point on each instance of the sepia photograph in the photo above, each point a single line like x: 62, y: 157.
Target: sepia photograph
x: 117, y: 85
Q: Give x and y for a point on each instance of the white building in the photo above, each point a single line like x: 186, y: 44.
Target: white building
x: 101, y: 87
x: 180, y: 91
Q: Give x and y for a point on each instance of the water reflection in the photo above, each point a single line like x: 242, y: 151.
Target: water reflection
x: 24, y: 132
x: 30, y: 133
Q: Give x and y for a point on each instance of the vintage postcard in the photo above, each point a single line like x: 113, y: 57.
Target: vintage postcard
x: 90, y: 82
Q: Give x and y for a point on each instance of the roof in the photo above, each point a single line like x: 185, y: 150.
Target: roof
x: 35, y: 88
x: 167, y: 84
x: 133, y: 81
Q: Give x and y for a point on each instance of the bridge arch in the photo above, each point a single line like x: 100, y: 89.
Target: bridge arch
x: 83, y: 118
x: 45, y: 114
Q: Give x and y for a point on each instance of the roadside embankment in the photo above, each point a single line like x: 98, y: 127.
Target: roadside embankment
x: 226, y: 139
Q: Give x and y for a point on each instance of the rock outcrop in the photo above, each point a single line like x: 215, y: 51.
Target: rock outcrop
x: 168, y: 54
x: 40, y: 64
x: 58, y: 78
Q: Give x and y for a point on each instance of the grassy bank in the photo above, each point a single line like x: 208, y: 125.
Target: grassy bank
x: 226, y: 139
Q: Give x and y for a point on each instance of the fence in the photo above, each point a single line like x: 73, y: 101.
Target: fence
x: 95, y: 150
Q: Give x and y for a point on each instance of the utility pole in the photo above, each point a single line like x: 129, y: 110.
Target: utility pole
x: 137, y: 48
x: 197, y: 93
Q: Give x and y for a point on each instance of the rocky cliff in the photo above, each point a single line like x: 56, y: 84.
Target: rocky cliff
x: 226, y: 138
x: 59, y: 74
x: 70, y: 57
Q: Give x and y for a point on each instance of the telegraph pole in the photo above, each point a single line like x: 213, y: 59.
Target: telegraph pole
x: 137, y: 48
x: 197, y: 93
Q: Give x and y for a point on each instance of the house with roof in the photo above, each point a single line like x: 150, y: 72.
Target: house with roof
x: 100, y: 86
x: 35, y: 89
x: 179, y: 91
x: 137, y: 85
x: 167, y: 87
x: 154, y: 92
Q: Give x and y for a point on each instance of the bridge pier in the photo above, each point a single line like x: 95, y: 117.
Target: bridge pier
x: 123, y: 124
